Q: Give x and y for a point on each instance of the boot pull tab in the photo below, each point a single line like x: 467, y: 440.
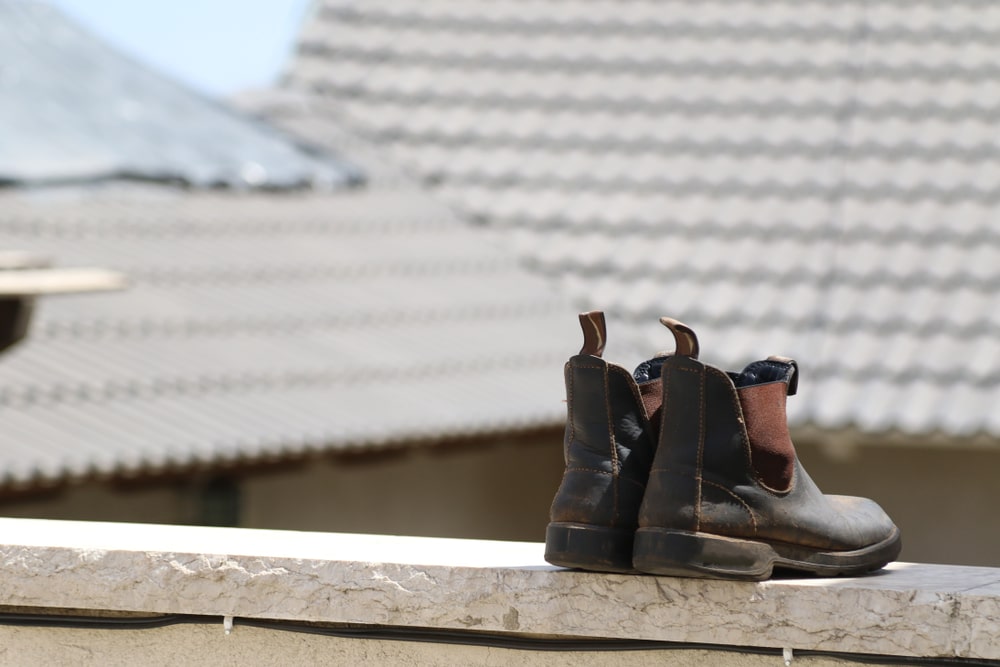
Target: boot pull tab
x: 793, y: 381
x: 595, y: 333
x: 684, y: 337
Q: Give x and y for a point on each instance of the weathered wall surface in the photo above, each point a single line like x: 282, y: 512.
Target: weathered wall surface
x: 460, y: 589
x: 207, y: 645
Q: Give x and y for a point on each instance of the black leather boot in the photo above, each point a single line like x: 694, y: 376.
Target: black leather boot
x: 727, y: 496
x: 611, y: 432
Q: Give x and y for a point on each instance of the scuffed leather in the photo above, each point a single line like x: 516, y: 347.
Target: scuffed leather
x: 608, y: 446
x: 703, y: 479
x: 672, y: 493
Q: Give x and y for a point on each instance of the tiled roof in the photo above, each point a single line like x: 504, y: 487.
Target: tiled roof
x: 262, y: 326
x: 818, y: 179
x: 73, y: 109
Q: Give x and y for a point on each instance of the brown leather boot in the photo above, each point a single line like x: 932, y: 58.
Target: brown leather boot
x: 611, y: 432
x: 727, y: 496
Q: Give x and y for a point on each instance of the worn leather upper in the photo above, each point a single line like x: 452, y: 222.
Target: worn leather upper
x: 704, y: 477
x: 608, y: 446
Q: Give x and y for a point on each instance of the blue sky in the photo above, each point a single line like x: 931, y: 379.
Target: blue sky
x: 218, y: 47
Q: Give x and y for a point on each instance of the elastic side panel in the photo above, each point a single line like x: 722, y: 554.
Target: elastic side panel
x: 772, y: 452
x: 652, y: 399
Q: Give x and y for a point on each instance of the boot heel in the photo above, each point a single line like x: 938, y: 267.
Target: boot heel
x: 589, y: 547
x: 684, y: 554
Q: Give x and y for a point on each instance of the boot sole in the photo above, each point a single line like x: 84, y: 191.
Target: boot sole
x: 586, y: 547
x: 685, y: 554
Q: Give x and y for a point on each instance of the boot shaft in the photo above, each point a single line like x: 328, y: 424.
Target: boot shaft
x: 609, y: 442
x: 720, y: 432
x: 607, y: 427
x: 724, y: 494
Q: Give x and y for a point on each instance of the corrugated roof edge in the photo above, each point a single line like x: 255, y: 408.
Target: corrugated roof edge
x: 353, y: 178
x: 292, y: 163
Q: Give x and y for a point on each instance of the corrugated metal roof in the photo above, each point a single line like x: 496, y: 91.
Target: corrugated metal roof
x: 73, y: 109
x: 261, y: 326
x: 819, y: 180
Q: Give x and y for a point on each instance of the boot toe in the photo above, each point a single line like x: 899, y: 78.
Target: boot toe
x: 864, y: 522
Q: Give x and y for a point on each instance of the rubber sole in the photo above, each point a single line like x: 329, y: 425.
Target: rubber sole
x: 586, y: 547
x: 686, y: 554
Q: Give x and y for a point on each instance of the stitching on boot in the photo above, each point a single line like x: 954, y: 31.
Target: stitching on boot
x: 775, y: 492
x: 673, y: 471
x: 695, y: 508
x: 593, y: 470
x: 701, y: 447
x: 605, y: 472
x: 615, y: 465
x: 569, y: 407
x: 753, y: 518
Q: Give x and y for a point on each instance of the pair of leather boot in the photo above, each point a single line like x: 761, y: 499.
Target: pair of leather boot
x: 683, y: 469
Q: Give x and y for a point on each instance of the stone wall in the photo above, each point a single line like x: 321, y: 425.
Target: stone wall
x: 471, y: 590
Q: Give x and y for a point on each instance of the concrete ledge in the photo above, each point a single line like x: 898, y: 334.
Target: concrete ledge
x: 908, y: 610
